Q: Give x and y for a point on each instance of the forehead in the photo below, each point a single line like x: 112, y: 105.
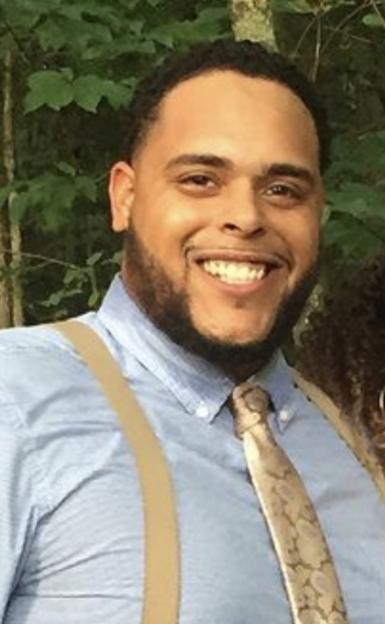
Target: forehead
x: 238, y: 117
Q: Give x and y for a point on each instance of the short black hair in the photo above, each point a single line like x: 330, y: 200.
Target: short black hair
x: 245, y: 57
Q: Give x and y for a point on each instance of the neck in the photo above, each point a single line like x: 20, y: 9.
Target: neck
x: 242, y: 372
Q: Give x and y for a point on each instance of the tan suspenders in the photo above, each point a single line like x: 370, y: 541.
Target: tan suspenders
x: 162, y: 565
x: 162, y: 558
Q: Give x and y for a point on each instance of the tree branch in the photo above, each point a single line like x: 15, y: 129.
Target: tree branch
x: 304, y: 35
x: 16, y: 294
x: 47, y: 259
x: 342, y: 24
x: 317, y: 50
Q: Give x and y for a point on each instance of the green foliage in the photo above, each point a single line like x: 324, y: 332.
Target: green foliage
x: 49, y: 87
x: 341, y: 45
x: 60, y: 189
x: 58, y: 89
x: 77, y: 64
x: 356, y: 196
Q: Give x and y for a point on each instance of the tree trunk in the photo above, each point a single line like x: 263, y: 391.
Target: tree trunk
x: 253, y: 20
x: 5, y: 304
x: 5, y: 301
x: 11, y: 237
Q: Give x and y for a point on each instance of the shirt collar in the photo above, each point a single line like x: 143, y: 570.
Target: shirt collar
x: 200, y: 387
x: 277, y: 380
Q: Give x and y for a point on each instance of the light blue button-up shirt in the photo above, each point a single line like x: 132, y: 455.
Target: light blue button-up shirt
x: 71, y: 532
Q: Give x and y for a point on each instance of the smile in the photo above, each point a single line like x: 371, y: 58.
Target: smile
x: 235, y: 272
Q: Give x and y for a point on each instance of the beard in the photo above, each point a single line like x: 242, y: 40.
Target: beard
x: 169, y: 310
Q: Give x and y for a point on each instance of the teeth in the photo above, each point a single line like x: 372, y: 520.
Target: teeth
x: 235, y: 272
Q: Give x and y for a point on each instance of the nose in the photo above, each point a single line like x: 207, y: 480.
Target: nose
x: 244, y: 216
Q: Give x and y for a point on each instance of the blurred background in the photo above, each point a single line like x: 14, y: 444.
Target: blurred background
x: 68, y: 68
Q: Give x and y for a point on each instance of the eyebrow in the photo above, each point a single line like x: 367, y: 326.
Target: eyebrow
x: 208, y: 160
x: 291, y: 171
x: 220, y: 162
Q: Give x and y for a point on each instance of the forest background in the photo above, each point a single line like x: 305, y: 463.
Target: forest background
x: 68, y: 71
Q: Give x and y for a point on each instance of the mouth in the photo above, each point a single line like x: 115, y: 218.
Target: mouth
x: 238, y: 269
x: 235, y: 272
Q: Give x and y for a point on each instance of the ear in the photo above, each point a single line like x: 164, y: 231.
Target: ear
x: 122, y: 194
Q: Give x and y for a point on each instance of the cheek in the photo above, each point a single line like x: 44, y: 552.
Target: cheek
x: 167, y: 223
x: 306, y: 242
x: 300, y: 232
x: 167, y: 217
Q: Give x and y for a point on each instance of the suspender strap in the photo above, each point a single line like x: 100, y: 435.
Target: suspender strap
x: 354, y: 436
x: 161, y: 584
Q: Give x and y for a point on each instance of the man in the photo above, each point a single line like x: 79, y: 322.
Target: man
x: 220, y: 202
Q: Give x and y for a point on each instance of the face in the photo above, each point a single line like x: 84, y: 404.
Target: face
x: 222, y: 204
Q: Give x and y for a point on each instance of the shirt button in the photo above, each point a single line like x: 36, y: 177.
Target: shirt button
x: 284, y: 416
x: 202, y: 411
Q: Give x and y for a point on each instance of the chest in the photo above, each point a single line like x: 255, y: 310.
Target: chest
x: 91, y: 547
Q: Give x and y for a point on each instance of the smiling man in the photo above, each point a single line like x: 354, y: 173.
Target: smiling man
x: 219, y: 201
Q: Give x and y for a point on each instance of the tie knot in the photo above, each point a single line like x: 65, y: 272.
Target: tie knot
x: 250, y: 406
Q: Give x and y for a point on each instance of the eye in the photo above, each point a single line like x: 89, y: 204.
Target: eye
x: 282, y: 189
x: 199, y: 181
x: 284, y: 193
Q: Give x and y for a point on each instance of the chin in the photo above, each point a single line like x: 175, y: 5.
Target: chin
x: 236, y: 337
x: 238, y: 329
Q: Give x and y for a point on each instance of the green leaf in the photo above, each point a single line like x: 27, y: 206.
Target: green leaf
x: 93, y: 299
x: 92, y: 260
x: 115, y: 259
x: 118, y: 47
x: 54, y: 299
x: 373, y: 20
x: 86, y: 186
x: 358, y: 200
x: 208, y: 25
x: 213, y: 14
x: 41, y: 6
x: 50, y: 88
x: 18, y: 207
x: 66, y: 168
x: 117, y: 94
x: 81, y: 10
x: 20, y: 17
x: 136, y: 26
x: 351, y: 237
x: 52, y: 196
x: 50, y: 36
x: 72, y: 275
x: 81, y: 35
x: 88, y: 91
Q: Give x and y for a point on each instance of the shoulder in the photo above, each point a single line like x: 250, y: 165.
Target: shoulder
x: 28, y: 341
x: 35, y: 363
x: 32, y: 361
x: 22, y: 346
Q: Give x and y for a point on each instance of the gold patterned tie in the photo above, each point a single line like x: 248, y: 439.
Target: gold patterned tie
x: 307, y: 567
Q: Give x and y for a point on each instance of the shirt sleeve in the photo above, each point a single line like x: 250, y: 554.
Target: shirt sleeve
x: 21, y: 502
